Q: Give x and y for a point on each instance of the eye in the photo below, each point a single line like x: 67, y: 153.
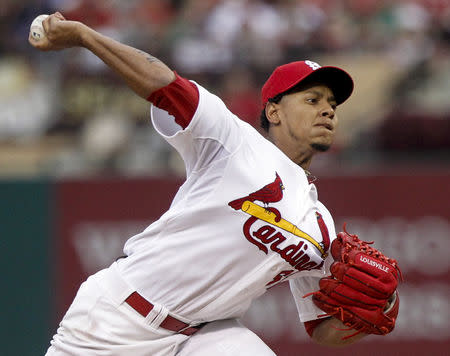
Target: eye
x: 312, y: 100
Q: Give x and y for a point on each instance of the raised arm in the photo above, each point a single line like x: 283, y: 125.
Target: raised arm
x: 142, y: 72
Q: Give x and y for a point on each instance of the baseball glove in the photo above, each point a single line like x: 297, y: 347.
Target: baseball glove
x: 361, y: 291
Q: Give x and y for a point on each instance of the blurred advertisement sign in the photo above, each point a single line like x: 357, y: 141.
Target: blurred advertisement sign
x: 408, y: 217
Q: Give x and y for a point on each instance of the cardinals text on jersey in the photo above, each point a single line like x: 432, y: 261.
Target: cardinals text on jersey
x: 271, y: 236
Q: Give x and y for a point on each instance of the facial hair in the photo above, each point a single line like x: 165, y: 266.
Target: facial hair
x: 320, y: 147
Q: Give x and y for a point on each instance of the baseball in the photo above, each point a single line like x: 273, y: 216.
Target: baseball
x: 36, y: 28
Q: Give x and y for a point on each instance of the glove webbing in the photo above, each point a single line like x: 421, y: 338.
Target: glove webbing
x: 369, y: 250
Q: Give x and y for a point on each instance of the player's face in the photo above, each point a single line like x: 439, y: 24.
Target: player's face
x: 306, y: 121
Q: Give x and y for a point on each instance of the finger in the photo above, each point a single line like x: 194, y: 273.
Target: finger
x: 60, y: 16
x: 46, y: 23
x: 33, y: 41
x: 50, y: 21
x: 41, y: 44
x: 377, y: 269
x: 381, y: 287
x: 349, y: 296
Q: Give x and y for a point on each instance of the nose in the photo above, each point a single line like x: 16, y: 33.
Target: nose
x: 328, y: 111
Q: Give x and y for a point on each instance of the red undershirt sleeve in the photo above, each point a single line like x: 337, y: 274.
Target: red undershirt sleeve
x: 312, y: 324
x: 179, y: 98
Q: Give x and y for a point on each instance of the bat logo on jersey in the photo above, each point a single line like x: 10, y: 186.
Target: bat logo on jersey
x: 268, y: 236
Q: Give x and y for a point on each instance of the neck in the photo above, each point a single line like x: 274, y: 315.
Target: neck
x: 301, y: 156
x: 305, y: 165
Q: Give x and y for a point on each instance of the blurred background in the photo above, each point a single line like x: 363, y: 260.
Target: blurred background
x: 81, y: 168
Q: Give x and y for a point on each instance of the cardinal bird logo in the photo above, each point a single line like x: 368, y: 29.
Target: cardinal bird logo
x: 271, y: 236
x: 270, y: 193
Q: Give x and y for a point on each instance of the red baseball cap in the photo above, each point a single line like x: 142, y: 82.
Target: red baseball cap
x: 288, y: 75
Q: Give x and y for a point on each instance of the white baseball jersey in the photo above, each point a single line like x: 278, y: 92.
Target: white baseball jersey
x: 245, y: 220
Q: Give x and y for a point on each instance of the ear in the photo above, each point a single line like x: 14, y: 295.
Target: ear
x: 273, y: 113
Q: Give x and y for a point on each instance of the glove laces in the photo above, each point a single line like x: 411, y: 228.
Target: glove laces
x: 365, y: 247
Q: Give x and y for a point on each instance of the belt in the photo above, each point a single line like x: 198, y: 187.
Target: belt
x: 143, y: 307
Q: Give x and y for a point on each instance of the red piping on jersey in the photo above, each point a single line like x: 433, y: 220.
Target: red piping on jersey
x: 324, y: 231
x: 312, y: 324
x: 179, y: 98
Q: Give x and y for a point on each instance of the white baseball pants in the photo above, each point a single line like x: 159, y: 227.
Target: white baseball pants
x: 99, y: 323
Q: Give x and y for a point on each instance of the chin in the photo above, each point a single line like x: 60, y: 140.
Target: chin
x: 320, y: 147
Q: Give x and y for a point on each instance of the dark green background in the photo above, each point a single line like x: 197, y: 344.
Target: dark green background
x: 26, y: 294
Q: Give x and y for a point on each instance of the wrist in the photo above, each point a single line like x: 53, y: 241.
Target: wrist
x: 84, y: 35
x: 333, y: 332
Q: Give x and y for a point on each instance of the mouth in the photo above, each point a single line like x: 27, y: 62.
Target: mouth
x: 326, y: 125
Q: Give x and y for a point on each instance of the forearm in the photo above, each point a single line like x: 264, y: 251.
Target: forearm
x: 332, y: 332
x: 142, y: 72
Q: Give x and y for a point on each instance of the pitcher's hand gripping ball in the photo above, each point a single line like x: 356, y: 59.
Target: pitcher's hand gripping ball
x: 36, y: 29
x: 361, y: 291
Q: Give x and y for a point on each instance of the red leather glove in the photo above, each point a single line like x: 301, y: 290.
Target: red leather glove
x: 361, y: 291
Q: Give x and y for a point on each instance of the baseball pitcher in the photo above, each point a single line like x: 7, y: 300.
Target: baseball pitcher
x: 246, y: 219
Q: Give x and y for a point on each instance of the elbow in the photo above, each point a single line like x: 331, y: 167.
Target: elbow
x: 149, y: 80
x: 160, y: 77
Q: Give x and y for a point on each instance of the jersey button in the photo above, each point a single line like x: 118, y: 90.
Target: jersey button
x: 274, y: 268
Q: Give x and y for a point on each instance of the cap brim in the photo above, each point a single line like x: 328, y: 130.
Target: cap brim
x: 338, y: 80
